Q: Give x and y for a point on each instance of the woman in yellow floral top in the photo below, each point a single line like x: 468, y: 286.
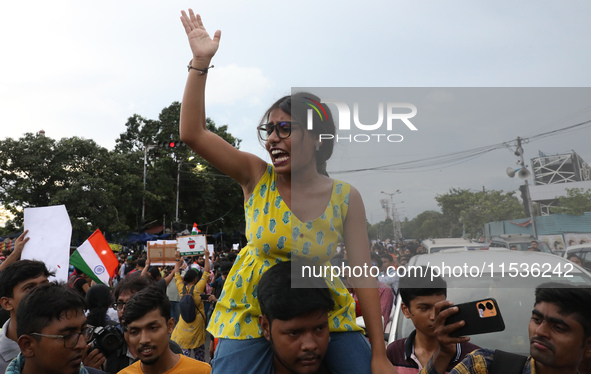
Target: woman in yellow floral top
x: 293, y: 211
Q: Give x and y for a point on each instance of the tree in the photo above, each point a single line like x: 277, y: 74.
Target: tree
x: 104, y: 189
x: 576, y: 202
x: 428, y: 224
x: 381, y: 230
x: 36, y: 170
x: 206, y: 196
x: 467, y: 212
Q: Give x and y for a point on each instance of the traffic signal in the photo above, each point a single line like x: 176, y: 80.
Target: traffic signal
x: 171, y: 144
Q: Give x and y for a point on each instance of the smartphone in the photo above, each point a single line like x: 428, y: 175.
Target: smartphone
x: 481, y: 317
x: 204, y: 297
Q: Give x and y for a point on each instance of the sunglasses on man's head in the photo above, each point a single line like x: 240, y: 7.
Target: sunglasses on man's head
x: 282, y: 128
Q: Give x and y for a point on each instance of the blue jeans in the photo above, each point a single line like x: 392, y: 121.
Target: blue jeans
x: 348, y: 352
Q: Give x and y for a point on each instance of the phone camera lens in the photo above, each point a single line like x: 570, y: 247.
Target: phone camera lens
x: 481, y: 306
x: 489, y: 305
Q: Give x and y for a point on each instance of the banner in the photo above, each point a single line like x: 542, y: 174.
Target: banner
x: 191, y: 245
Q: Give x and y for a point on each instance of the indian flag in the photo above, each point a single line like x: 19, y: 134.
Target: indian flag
x: 95, y: 258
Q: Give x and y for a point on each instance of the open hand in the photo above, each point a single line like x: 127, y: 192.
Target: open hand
x: 202, y: 45
x: 19, y: 244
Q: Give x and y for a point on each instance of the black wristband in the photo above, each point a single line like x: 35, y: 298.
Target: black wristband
x: 199, y: 71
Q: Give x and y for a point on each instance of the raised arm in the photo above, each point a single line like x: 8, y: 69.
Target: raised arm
x: 244, y: 167
x: 207, y: 265
x: 146, y: 266
x: 19, y: 245
x: 357, y: 247
x: 177, y: 268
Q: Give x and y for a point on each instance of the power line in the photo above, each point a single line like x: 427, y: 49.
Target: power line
x: 454, y: 158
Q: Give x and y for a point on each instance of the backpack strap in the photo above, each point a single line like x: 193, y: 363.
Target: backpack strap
x: 191, y: 293
x: 507, y: 363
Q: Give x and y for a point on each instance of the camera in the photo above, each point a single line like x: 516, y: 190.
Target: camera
x: 107, y: 339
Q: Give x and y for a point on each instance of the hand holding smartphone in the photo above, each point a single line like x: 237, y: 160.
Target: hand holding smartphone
x: 481, y: 317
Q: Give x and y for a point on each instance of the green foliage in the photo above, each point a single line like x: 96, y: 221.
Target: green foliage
x: 468, y: 211
x: 381, y: 230
x: 205, y: 195
x: 428, y: 224
x: 104, y: 189
x: 38, y: 171
x: 576, y: 202
x: 462, y: 212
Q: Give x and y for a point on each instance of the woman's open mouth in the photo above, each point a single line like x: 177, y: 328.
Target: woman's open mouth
x: 279, y: 156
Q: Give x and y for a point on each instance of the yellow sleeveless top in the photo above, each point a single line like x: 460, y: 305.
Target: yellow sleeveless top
x: 274, y: 235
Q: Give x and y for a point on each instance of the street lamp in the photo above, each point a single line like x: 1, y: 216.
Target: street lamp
x: 395, y: 223
x: 146, y: 149
x: 198, y: 167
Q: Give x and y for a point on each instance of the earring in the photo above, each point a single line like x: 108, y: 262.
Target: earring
x: 317, y: 146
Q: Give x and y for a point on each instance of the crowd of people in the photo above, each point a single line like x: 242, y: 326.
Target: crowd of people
x: 108, y: 345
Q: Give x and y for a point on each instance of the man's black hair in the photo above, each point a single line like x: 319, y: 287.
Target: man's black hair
x: 98, y: 300
x: 386, y: 256
x: 278, y: 300
x: 376, y: 260
x: 131, y: 284
x: 44, y: 304
x: 420, y: 282
x: 145, y: 301
x: 191, y: 275
x: 154, y: 272
x: 18, y: 272
x: 225, y: 267
x: 569, y: 300
x: 231, y: 257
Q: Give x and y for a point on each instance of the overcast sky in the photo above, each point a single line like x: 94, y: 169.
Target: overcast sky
x: 76, y: 68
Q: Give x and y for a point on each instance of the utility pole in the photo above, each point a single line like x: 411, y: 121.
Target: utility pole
x: 519, y: 152
x: 178, y: 185
x: 146, y: 149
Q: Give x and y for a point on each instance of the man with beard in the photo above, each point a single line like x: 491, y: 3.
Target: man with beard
x: 147, y: 319
x: 124, y: 356
x: 198, y: 263
x: 559, y: 333
x: 294, y: 320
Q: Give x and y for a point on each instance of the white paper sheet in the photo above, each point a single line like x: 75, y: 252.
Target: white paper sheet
x: 50, y: 233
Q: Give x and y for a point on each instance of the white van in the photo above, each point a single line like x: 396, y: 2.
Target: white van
x: 442, y: 244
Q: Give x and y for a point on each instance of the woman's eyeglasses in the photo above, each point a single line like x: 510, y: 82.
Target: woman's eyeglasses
x: 283, y: 130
